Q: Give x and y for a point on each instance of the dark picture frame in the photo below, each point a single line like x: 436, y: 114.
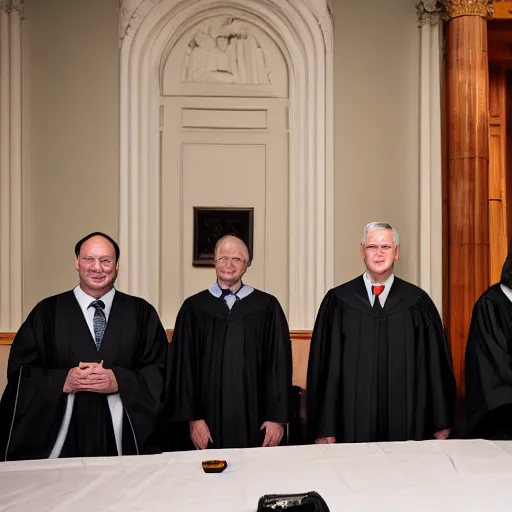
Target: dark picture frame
x: 212, y: 223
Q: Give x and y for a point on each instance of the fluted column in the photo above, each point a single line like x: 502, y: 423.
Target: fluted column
x: 431, y: 243
x: 468, y: 166
x: 10, y: 165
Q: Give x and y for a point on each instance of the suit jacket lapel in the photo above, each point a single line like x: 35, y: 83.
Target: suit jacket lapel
x: 358, y: 296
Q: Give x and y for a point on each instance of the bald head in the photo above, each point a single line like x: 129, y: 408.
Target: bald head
x: 234, y: 243
x: 231, y: 261
x: 97, y: 265
x: 96, y: 234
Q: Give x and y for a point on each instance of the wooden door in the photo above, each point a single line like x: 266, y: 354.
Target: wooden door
x: 498, y: 222
x: 500, y: 144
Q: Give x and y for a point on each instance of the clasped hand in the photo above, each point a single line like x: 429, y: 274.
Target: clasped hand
x: 90, y: 377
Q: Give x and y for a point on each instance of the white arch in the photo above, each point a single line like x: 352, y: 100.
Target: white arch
x: 305, y: 27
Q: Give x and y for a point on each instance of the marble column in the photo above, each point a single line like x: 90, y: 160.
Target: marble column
x: 10, y: 165
x: 431, y: 229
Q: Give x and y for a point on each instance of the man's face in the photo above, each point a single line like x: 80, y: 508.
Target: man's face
x: 97, y: 266
x: 230, y: 262
x: 379, y: 252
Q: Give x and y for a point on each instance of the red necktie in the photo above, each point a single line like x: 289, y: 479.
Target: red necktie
x: 377, y: 289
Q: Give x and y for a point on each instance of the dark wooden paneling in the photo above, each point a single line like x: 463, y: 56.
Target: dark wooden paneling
x: 468, y: 179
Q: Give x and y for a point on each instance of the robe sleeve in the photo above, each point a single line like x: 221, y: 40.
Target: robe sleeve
x: 441, y: 386
x: 488, y: 363
x: 33, y: 402
x: 278, y: 365
x: 324, y: 371
x: 142, y: 388
x: 183, y: 402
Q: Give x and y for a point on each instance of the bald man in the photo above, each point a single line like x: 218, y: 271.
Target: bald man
x: 86, y: 369
x: 230, y: 360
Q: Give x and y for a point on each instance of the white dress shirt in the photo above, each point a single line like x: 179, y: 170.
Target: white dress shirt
x: 507, y: 291
x: 84, y: 301
x: 384, y: 295
x: 244, y: 291
x: 114, y: 401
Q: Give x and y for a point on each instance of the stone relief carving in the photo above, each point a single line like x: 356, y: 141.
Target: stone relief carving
x: 225, y: 51
x: 132, y: 12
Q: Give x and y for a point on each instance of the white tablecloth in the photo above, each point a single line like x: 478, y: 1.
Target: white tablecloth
x: 436, y: 476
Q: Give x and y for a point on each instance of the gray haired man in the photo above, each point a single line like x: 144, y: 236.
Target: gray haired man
x: 380, y: 367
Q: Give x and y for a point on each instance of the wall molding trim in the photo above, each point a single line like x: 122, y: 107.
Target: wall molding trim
x: 303, y: 29
x: 300, y: 352
x: 6, y: 338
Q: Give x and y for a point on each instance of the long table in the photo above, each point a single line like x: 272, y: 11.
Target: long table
x: 438, y: 476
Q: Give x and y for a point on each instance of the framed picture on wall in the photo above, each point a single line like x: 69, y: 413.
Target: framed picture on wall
x: 212, y: 223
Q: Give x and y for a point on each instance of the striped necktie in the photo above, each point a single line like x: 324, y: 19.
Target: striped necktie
x: 99, y: 321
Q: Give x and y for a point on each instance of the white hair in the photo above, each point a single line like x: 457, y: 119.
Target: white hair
x: 378, y: 226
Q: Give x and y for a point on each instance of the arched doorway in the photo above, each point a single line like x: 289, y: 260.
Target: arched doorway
x: 303, y: 34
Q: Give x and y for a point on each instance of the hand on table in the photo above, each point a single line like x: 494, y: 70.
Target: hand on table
x: 200, y: 434
x: 325, y: 440
x: 273, y: 433
x: 443, y: 434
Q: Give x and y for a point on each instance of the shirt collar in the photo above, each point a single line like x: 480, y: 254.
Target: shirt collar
x: 387, y: 287
x: 507, y: 291
x: 243, y: 292
x: 84, y: 300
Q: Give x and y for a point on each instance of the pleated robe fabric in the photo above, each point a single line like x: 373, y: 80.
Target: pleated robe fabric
x: 379, y: 374
x: 55, y: 338
x: 489, y: 367
x: 231, y: 368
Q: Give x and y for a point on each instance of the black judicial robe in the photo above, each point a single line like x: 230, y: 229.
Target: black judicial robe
x: 379, y: 374
x: 489, y: 367
x: 54, y: 338
x: 232, y: 369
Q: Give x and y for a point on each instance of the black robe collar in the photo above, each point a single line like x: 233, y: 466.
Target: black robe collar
x: 402, y: 295
x: 83, y: 343
x: 205, y: 301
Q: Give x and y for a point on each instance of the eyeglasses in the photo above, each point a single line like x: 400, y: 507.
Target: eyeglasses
x: 375, y: 248
x: 223, y: 260
x: 104, y: 262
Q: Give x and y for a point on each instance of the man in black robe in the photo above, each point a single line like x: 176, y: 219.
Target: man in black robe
x: 379, y: 365
x: 86, y: 369
x: 230, y: 360
x: 489, y: 361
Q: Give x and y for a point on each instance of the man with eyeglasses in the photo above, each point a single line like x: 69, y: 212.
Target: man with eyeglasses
x: 380, y: 367
x: 230, y: 369
x: 86, y: 369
